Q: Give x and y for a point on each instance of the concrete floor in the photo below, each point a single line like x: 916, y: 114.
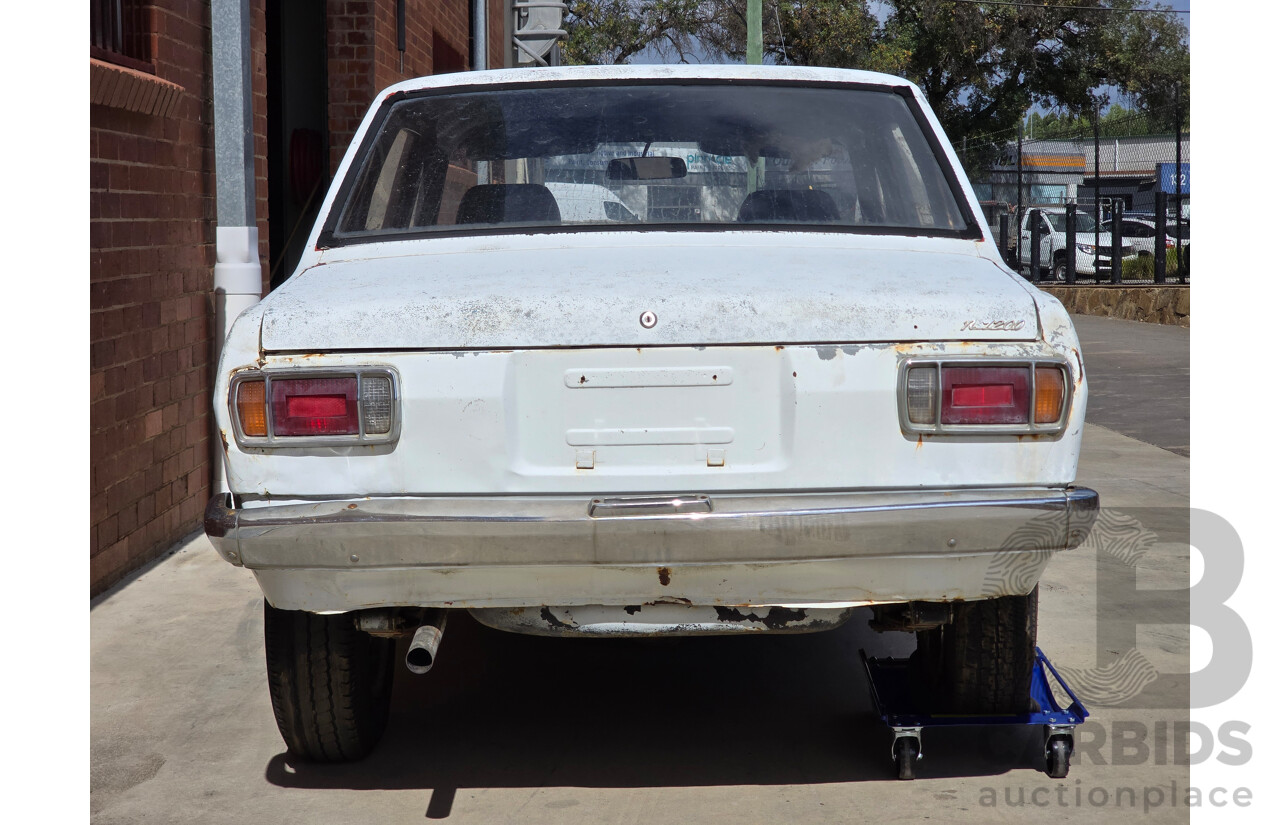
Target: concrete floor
x: 1139, y: 379
x: 527, y: 730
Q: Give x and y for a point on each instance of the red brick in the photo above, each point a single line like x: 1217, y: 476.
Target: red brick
x: 151, y: 253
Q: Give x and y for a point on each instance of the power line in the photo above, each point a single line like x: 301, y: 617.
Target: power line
x: 1069, y: 8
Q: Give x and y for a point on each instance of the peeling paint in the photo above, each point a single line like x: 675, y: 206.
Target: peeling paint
x: 449, y: 296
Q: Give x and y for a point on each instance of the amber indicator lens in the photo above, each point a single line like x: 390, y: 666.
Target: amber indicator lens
x: 315, y: 406
x: 1050, y: 394
x: 251, y: 407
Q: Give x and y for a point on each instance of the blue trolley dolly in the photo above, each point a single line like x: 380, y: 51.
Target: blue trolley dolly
x: 891, y: 691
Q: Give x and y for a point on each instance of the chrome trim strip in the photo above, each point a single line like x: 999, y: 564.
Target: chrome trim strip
x: 648, y: 505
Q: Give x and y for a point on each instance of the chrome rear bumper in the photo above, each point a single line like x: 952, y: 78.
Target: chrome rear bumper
x: 732, y: 549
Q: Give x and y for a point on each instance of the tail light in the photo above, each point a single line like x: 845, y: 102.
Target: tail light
x: 312, y: 408
x: 978, y: 398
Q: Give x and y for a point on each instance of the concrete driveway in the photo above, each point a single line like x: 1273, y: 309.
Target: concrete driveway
x: 740, y: 730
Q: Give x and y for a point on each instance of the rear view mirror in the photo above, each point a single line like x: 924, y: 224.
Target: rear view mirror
x: 657, y: 168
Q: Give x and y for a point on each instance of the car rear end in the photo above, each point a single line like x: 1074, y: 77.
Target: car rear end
x: 817, y: 389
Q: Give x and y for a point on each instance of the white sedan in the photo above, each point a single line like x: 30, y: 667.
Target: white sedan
x: 801, y: 382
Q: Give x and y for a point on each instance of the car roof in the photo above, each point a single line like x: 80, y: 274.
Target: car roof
x: 558, y: 74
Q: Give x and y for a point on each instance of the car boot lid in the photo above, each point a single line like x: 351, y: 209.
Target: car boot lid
x: 597, y: 289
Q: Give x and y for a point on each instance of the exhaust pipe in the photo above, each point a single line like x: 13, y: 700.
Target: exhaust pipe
x: 426, y: 641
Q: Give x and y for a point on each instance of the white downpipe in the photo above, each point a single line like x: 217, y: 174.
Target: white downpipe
x: 237, y: 285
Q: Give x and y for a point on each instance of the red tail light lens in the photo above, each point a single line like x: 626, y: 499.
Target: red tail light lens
x: 315, y: 406
x: 986, y: 395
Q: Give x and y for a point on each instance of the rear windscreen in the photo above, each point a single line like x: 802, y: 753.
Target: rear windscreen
x: 642, y: 156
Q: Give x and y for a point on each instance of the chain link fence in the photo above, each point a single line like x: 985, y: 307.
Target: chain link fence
x: 1064, y: 208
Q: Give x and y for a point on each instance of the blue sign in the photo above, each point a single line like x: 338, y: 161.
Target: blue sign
x: 1168, y: 174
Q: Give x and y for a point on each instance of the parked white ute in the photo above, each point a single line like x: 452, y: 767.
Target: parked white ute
x: 1093, y: 244
x: 802, y: 382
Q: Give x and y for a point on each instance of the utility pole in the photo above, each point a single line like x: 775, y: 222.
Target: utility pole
x: 1177, y: 177
x: 755, y: 33
x: 755, y: 56
x: 1019, y: 179
x: 1097, y: 185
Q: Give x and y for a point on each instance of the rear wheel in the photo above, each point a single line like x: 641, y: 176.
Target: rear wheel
x: 982, y: 661
x: 330, y: 684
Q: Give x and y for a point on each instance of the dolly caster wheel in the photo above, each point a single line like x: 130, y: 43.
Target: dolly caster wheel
x: 1057, y: 757
x: 906, y: 750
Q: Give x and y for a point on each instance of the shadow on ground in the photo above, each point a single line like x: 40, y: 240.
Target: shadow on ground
x: 502, y: 710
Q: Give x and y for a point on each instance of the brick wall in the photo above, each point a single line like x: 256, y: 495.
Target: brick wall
x: 363, y: 58
x: 152, y: 221
x: 350, y: 48
x: 151, y: 269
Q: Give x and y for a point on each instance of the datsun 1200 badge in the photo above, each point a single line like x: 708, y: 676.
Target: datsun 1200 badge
x: 777, y: 374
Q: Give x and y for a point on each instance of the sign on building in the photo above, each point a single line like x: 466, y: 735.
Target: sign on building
x: 1168, y: 174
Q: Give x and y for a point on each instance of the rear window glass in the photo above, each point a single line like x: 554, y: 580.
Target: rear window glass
x: 637, y: 156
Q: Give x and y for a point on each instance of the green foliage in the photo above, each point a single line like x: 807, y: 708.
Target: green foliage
x: 614, y: 31
x: 1143, y: 267
x: 980, y: 66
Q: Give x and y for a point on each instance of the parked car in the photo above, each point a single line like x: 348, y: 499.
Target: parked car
x: 835, y: 396
x: 588, y: 203
x: 1140, y: 233
x: 1093, y: 248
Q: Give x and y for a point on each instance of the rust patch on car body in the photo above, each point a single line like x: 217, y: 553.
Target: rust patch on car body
x: 776, y: 619
x: 664, y: 576
x: 552, y: 621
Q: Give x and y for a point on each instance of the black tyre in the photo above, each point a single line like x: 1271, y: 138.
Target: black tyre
x: 330, y: 684
x: 1060, y: 271
x: 1057, y: 758
x: 981, y: 662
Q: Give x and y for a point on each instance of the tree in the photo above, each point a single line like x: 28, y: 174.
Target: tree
x: 614, y: 31
x: 980, y: 65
